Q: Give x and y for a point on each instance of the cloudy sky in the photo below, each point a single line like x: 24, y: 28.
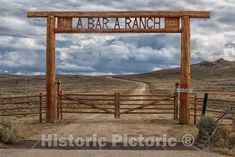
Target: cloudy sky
x: 22, y: 40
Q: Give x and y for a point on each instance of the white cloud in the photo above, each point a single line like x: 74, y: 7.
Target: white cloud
x: 74, y: 68
x: 21, y: 43
x: 14, y: 60
x: 156, y: 69
x: 208, y: 47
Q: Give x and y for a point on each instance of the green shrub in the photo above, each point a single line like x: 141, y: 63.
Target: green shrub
x: 8, y: 135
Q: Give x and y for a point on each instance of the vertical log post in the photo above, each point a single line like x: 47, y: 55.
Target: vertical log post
x: 233, y: 110
x: 61, y: 105
x: 40, y: 108
x: 195, y: 110
x: 115, y: 105
x: 118, y: 113
x: 50, y: 71
x: 58, y: 99
x: 185, y: 71
x: 176, y: 104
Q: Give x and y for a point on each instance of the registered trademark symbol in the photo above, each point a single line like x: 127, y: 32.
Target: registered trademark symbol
x: 188, y: 140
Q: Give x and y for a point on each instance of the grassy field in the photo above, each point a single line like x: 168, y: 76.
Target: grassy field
x: 22, y: 85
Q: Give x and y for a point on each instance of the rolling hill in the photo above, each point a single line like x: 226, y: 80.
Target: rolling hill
x: 217, y: 69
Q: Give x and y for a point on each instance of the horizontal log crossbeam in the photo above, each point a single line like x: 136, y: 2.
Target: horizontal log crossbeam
x: 114, y: 14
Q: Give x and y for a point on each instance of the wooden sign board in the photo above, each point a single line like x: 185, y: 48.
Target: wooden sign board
x: 117, y: 25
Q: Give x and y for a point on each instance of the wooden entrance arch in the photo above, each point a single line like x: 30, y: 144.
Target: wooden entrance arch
x: 120, y: 22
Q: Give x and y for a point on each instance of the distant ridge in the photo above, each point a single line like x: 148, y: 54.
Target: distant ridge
x: 220, y: 68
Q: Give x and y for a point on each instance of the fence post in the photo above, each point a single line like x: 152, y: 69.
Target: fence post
x: 233, y: 115
x: 176, y: 104
x: 231, y: 98
x: 195, y: 109
x: 58, y: 99
x: 118, y: 113
x: 61, y: 107
x: 204, y: 104
x: 40, y: 108
x: 117, y: 105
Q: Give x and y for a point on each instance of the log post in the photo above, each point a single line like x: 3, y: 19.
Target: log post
x: 61, y: 107
x: 185, y: 71
x: 50, y: 71
x: 231, y: 98
x: 195, y: 109
x: 176, y: 104
x: 118, y: 113
x: 115, y: 105
x: 58, y: 99
x: 40, y: 108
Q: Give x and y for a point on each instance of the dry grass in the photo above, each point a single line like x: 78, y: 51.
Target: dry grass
x: 22, y: 85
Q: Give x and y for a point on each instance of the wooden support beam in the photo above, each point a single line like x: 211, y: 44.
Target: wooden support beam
x: 50, y: 71
x: 117, y: 105
x: 195, y: 110
x: 185, y: 71
x: 120, y: 14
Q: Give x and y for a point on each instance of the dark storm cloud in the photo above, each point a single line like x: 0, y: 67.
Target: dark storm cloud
x: 22, y: 42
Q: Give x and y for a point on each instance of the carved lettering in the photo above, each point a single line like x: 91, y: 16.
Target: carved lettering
x: 149, y: 21
x: 127, y: 23
x: 105, y: 23
x: 143, y: 23
x: 117, y: 23
x: 98, y: 25
x: 79, y: 25
x: 135, y: 23
x: 91, y: 22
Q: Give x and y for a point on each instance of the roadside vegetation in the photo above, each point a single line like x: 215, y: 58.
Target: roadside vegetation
x: 221, y: 140
x: 8, y: 134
